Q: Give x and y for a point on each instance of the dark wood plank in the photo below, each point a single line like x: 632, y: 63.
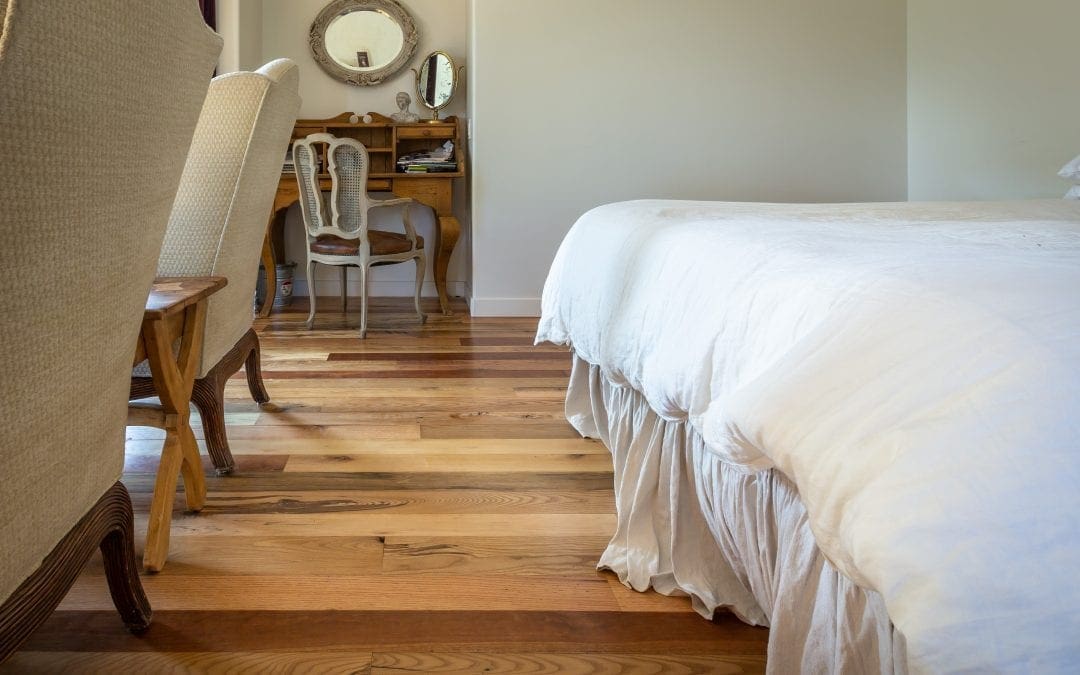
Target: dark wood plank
x: 528, y: 556
x: 497, y: 341
x: 404, y: 631
x: 565, y: 664
x: 148, y: 463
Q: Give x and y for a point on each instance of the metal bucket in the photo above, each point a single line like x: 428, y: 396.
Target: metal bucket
x: 285, y: 273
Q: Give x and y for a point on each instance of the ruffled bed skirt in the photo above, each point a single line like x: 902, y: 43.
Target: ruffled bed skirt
x: 689, y: 524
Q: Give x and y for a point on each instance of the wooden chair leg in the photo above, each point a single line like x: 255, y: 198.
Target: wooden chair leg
x: 421, y: 266
x: 253, y: 370
x: 109, y: 525
x: 344, y: 288
x: 121, y: 570
x: 363, y: 300
x: 311, y: 293
x: 208, y: 395
x: 156, y: 550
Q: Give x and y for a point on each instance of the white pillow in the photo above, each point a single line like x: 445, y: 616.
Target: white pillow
x: 1071, y: 171
x: 1073, y: 193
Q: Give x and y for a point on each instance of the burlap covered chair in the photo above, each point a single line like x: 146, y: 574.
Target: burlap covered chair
x: 99, y: 101
x: 217, y: 227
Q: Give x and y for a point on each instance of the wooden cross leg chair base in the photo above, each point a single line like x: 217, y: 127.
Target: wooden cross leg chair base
x: 208, y: 395
x: 110, y: 526
x: 175, y: 310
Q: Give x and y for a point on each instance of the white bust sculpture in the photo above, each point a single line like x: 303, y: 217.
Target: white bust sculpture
x: 403, y: 114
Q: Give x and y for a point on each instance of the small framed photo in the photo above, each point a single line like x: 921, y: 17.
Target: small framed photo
x: 363, y: 60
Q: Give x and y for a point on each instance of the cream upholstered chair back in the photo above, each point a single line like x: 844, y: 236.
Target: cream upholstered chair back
x: 226, y: 193
x: 348, y: 165
x: 99, y: 101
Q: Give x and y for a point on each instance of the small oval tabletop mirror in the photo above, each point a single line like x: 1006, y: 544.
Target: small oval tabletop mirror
x: 363, y: 42
x: 436, y: 81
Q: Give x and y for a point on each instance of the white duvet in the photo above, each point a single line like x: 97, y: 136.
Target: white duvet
x: 914, y: 369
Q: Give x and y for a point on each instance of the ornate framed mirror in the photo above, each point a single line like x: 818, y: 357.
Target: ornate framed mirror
x: 436, y: 82
x: 363, y: 42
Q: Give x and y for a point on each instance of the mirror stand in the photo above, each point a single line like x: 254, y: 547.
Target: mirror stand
x: 436, y: 82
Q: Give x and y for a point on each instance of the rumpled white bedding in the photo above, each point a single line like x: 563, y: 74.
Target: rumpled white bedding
x: 913, y: 370
x: 688, y: 523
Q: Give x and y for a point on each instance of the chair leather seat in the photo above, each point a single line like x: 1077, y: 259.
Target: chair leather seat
x: 382, y: 243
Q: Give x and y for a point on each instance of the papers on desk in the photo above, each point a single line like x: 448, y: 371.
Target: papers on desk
x: 440, y: 159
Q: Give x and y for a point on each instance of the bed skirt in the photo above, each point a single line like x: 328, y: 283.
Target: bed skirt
x: 689, y: 524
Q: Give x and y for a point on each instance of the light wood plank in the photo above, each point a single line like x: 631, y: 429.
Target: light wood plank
x: 485, y: 463
x: 379, y: 524
x: 538, y: 411
x: 331, y: 443
x: 260, y: 556
x: 96, y: 663
x: 405, y: 501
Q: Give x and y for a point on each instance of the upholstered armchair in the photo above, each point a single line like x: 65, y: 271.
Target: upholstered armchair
x: 217, y: 227
x: 94, y: 134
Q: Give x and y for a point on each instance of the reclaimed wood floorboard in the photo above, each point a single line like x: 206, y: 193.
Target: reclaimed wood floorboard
x: 412, y: 502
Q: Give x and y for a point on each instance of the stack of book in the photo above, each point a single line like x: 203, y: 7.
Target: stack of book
x: 287, y: 166
x: 440, y: 159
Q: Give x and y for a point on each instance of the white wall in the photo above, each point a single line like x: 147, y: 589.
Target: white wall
x: 993, y: 97
x: 576, y: 104
x: 279, y: 28
x: 240, y: 24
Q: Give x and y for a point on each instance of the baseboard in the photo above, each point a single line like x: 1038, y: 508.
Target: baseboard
x: 377, y: 289
x: 504, y: 306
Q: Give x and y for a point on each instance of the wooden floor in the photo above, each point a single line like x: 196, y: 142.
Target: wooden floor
x: 413, y: 502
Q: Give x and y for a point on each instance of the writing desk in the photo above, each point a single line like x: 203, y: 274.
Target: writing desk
x: 385, y: 141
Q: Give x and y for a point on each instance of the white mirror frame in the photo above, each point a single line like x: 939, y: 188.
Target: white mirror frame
x: 317, y: 40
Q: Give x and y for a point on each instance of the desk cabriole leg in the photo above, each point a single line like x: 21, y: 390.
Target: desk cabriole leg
x: 271, y: 272
x: 446, y: 237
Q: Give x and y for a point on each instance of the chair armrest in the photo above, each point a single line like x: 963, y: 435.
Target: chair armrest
x: 396, y: 201
x: 406, y: 220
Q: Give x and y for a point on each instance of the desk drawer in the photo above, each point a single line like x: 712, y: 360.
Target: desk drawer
x: 435, y: 192
x: 433, y: 131
x: 378, y: 185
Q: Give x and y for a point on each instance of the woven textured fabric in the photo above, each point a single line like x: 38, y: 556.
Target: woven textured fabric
x: 307, y: 179
x: 349, y: 166
x: 94, y: 143
x: 219, y: 219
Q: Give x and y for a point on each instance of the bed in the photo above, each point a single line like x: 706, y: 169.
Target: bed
x: 857, y: 424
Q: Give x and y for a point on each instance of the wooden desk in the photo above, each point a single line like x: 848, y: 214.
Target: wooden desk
x: 385, y: 141
x: 175, y: 309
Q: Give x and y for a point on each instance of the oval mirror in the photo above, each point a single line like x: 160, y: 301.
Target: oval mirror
x: 363, y: 42
x: 436, y: 81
